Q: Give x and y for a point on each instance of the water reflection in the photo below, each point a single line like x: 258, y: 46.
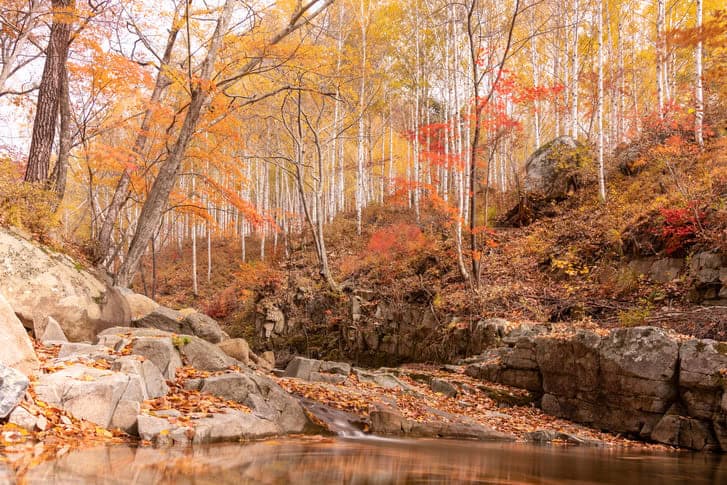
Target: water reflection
x: 363, y: 462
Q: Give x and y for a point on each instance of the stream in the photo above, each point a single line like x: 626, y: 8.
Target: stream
x: 322, y: 460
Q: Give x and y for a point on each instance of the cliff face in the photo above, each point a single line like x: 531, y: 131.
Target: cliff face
x: 643, y: 381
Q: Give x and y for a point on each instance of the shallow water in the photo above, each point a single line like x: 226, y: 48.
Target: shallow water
x: 377, y: 461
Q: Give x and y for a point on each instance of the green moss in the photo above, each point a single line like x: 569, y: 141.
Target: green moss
x: 721, y: 347
x: 180, y: 341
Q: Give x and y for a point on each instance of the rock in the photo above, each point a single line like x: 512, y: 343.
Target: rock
x: 267, y: 400
x: 13, y: 385
x: 161, y: 352
x: 489, y: 333
x: 21, y: 417
x: 151, y: 427
x: 205, y: 327
x: 548, y: 436
x: 77, y: 349
x: 700, y: 376
x: 35, y: 278
x: 203, y: 355
x: 443, y: 387
x: 125, y: 416
x: 237, y: 348
x: 16, y: 349
x: 666, y: 270
x: 90, y: 393
x: 329, y: 367
x: 386, y: 420
x: 269, y: 356
x: 151, y: 376
x: 270, y: 320
x: 233, y: 425
x: 705, y: 267
x: 570, y: 372
x: 637, y: 369
x: 685, y: 432
x: 555, y: 169
x: 385, y: 380
x: 140, y: 306
x: 301, y: 368
x: 166, y: 319
x: 49, y: 332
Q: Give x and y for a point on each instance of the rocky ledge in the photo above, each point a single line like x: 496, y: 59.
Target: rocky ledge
x: 644, y: 382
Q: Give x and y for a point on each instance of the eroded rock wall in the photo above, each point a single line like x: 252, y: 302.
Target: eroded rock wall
x: 642, y: 381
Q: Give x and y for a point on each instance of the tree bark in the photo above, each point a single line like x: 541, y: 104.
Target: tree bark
x: 698, y: 89
x: 44, y: 126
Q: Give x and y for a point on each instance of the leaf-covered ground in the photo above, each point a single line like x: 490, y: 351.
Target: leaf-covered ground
x: 494, y: 405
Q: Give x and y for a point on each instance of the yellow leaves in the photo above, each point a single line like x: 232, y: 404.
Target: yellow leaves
x: 103, y: 433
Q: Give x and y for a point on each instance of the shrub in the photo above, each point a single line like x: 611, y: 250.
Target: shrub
x: 23, y: 205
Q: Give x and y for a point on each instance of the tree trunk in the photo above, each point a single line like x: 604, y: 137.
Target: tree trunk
x: 44, y: 126
x: 60, y: 171
x: 121, y: 193
x: 158, y: 197
x: 698, y: 89
x: 601, y: 171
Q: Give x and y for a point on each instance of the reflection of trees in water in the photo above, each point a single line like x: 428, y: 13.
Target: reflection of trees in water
x: 322, y: 461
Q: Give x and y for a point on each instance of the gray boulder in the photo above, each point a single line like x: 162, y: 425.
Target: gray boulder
x: 154, y: 383
x: 443, y: 387
x: 161, y: 352
x: 205, y: 327
x: 685, y: 432
x: 556, y: 169
x: 166, y: 319
x: 139, y: 305
x: 13, y: 385
x: 267, y: 400
x: 203, y: 355
x: 92, y: 394
x: 317, y: 370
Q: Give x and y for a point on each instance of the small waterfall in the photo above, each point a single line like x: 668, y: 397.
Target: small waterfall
x: 339, y: 422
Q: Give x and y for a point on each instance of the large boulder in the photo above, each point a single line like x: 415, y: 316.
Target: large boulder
x: 38, y: 282
x: 16, y: 349
x: 267, y: 399
x: 556, y: 168
x: 109, y: 399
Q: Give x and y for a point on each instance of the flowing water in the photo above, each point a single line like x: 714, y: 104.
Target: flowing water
x: 319, y: 461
